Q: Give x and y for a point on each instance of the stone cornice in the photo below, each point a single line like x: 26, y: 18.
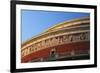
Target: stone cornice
x: 69, y: 24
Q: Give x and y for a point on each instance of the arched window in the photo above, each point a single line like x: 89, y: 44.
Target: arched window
x: 53, y: 54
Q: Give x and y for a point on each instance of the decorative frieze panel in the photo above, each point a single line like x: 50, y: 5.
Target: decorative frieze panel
x: 57, y: 40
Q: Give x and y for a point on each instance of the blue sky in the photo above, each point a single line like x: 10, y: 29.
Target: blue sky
x: 34, y: 22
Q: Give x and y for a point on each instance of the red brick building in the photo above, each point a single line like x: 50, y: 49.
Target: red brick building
x: 69, y: 40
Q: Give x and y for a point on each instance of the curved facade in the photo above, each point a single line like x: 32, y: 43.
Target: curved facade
x: 69, y: 40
